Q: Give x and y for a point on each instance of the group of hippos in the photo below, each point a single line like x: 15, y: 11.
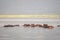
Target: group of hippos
x: 38, y: 25
x: 32, y: 25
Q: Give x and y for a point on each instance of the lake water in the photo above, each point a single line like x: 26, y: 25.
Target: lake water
x: 21, y: 33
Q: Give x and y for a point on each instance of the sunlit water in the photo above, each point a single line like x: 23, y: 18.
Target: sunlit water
x: 22, y: 33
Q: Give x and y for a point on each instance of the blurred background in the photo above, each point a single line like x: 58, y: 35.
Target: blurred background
x: 30, y: 7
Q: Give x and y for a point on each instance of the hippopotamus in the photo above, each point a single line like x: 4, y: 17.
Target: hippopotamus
x: 39, y: 25
x: 32, y: 25
x: 10, y: 25
x: 26, y: 25
x: 45, y: 26
x: 50, y: 27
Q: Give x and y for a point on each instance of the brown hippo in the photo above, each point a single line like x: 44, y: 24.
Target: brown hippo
x: 39, y: 25
x: 50, y: 27
x: 32, y: 25
x: 26, y: 25
x: 45, y: 26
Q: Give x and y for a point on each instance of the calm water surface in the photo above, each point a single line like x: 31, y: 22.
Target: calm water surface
x: 21, y: 33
